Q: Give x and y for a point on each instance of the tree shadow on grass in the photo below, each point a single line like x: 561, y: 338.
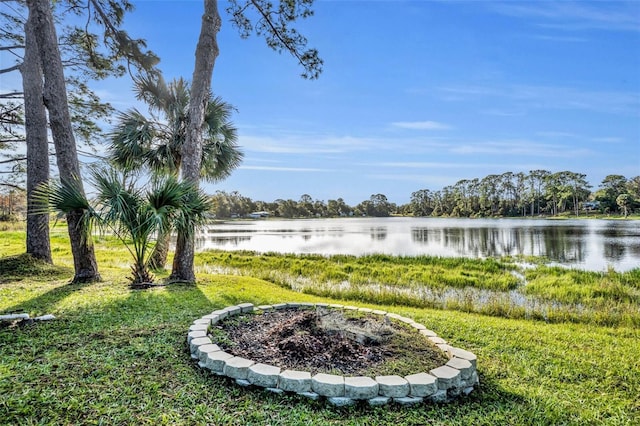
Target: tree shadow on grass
x: 24, y: 266
x: 44, y: 302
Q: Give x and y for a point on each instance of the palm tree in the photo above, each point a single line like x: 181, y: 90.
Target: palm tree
x: 133, y: 215
x: 155, y: 143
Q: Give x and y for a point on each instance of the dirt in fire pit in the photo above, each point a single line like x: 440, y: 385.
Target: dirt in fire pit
x: 328, y: 341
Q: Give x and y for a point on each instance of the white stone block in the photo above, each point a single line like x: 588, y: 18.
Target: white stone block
x: 11, y: 317
x: 465, y: 367
x: 340, y: 401
x: 265, y: 308
x: 393, y: 386
x: 233, y: 310
x: 237, y: 367
x: 213, y: 319
x: 221, y: 313
x: 195, y: 334
x: 264, y: 375
x: 422, y: 384
x: 406, y: 320
x: 360, y: 387
x: 418, y: 326
x: 198, y: 341
x: 444, y: 348
x: 436, y: 340
x: 246, y: 307
x: 328, y: 384
x: 216, y: 361
x: 203, y: 351
x: 198, y: 327
x: 461, y: 353
x: 311, y: 395
x: 438, y: 397
x: 447, y: 377
x: 408, y: 400
x: 379, y: 401
x: 47, y: 317
x: 295, y: 381
x: 428, y: 333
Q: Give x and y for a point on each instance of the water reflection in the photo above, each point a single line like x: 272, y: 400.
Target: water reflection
x: 585, y: 244
x: 379, y: 233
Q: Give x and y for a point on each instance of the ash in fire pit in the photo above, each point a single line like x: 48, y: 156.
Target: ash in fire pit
x: 328, y: 341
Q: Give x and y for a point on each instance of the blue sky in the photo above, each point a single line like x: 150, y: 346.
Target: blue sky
x: 418, y: 94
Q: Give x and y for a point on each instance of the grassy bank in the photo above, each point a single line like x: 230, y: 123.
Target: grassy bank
x: 118, y: 356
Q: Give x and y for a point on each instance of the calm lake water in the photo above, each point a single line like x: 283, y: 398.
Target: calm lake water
x: 584, y: 244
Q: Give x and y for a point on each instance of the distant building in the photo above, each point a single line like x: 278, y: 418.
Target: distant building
x: 259, y: 215
x: 591, y: 205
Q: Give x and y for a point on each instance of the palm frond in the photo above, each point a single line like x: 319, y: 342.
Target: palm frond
x: 67, y: 197
x: 177, y: 109
x: 130, y: 139
x: 193, y: 211
x: 219, y: 159
x: 153, y: 91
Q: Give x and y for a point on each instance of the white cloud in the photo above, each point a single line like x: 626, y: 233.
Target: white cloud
x: 503, y: 112
x: 305, y: 144
x: 576, y: 16
x: 451, y: 168
x: 426, y: 180
x: 285, y: 169
x: 561, y: 39
x: 555, y: 134
x: 608, y: 139
x: 550, y: 97
x: 421, y: 165
x: 520, y: 147
x: 421, y: 125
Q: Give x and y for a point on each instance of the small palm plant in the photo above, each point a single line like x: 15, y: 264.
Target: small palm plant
x: 135, y: 216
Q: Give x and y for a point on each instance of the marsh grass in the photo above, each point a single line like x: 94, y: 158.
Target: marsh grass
x: 502, y: 288
x: 119, y: 356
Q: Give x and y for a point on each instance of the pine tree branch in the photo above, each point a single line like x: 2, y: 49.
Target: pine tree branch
x: 10, y: 69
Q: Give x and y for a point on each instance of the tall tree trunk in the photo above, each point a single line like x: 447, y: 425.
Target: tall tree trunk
x: 161, y: 250
x: 206, y: 54
x: 55, y: 99
x: 38, y: 244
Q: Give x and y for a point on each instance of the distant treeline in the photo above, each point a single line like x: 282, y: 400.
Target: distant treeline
x: 539, y: 192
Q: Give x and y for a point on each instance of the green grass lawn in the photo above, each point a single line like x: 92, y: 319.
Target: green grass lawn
x: 119, y: 356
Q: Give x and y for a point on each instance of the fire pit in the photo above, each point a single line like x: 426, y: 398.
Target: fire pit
x: 314, y: 337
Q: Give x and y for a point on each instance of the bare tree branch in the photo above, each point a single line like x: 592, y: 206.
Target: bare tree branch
x: 11, y: 185
x: 12, y: 95
x: 13, y: 160
x: 10, y: 69
x: 15, y: 46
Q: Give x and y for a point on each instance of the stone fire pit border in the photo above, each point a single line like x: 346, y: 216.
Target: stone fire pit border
x: 458, y: 376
